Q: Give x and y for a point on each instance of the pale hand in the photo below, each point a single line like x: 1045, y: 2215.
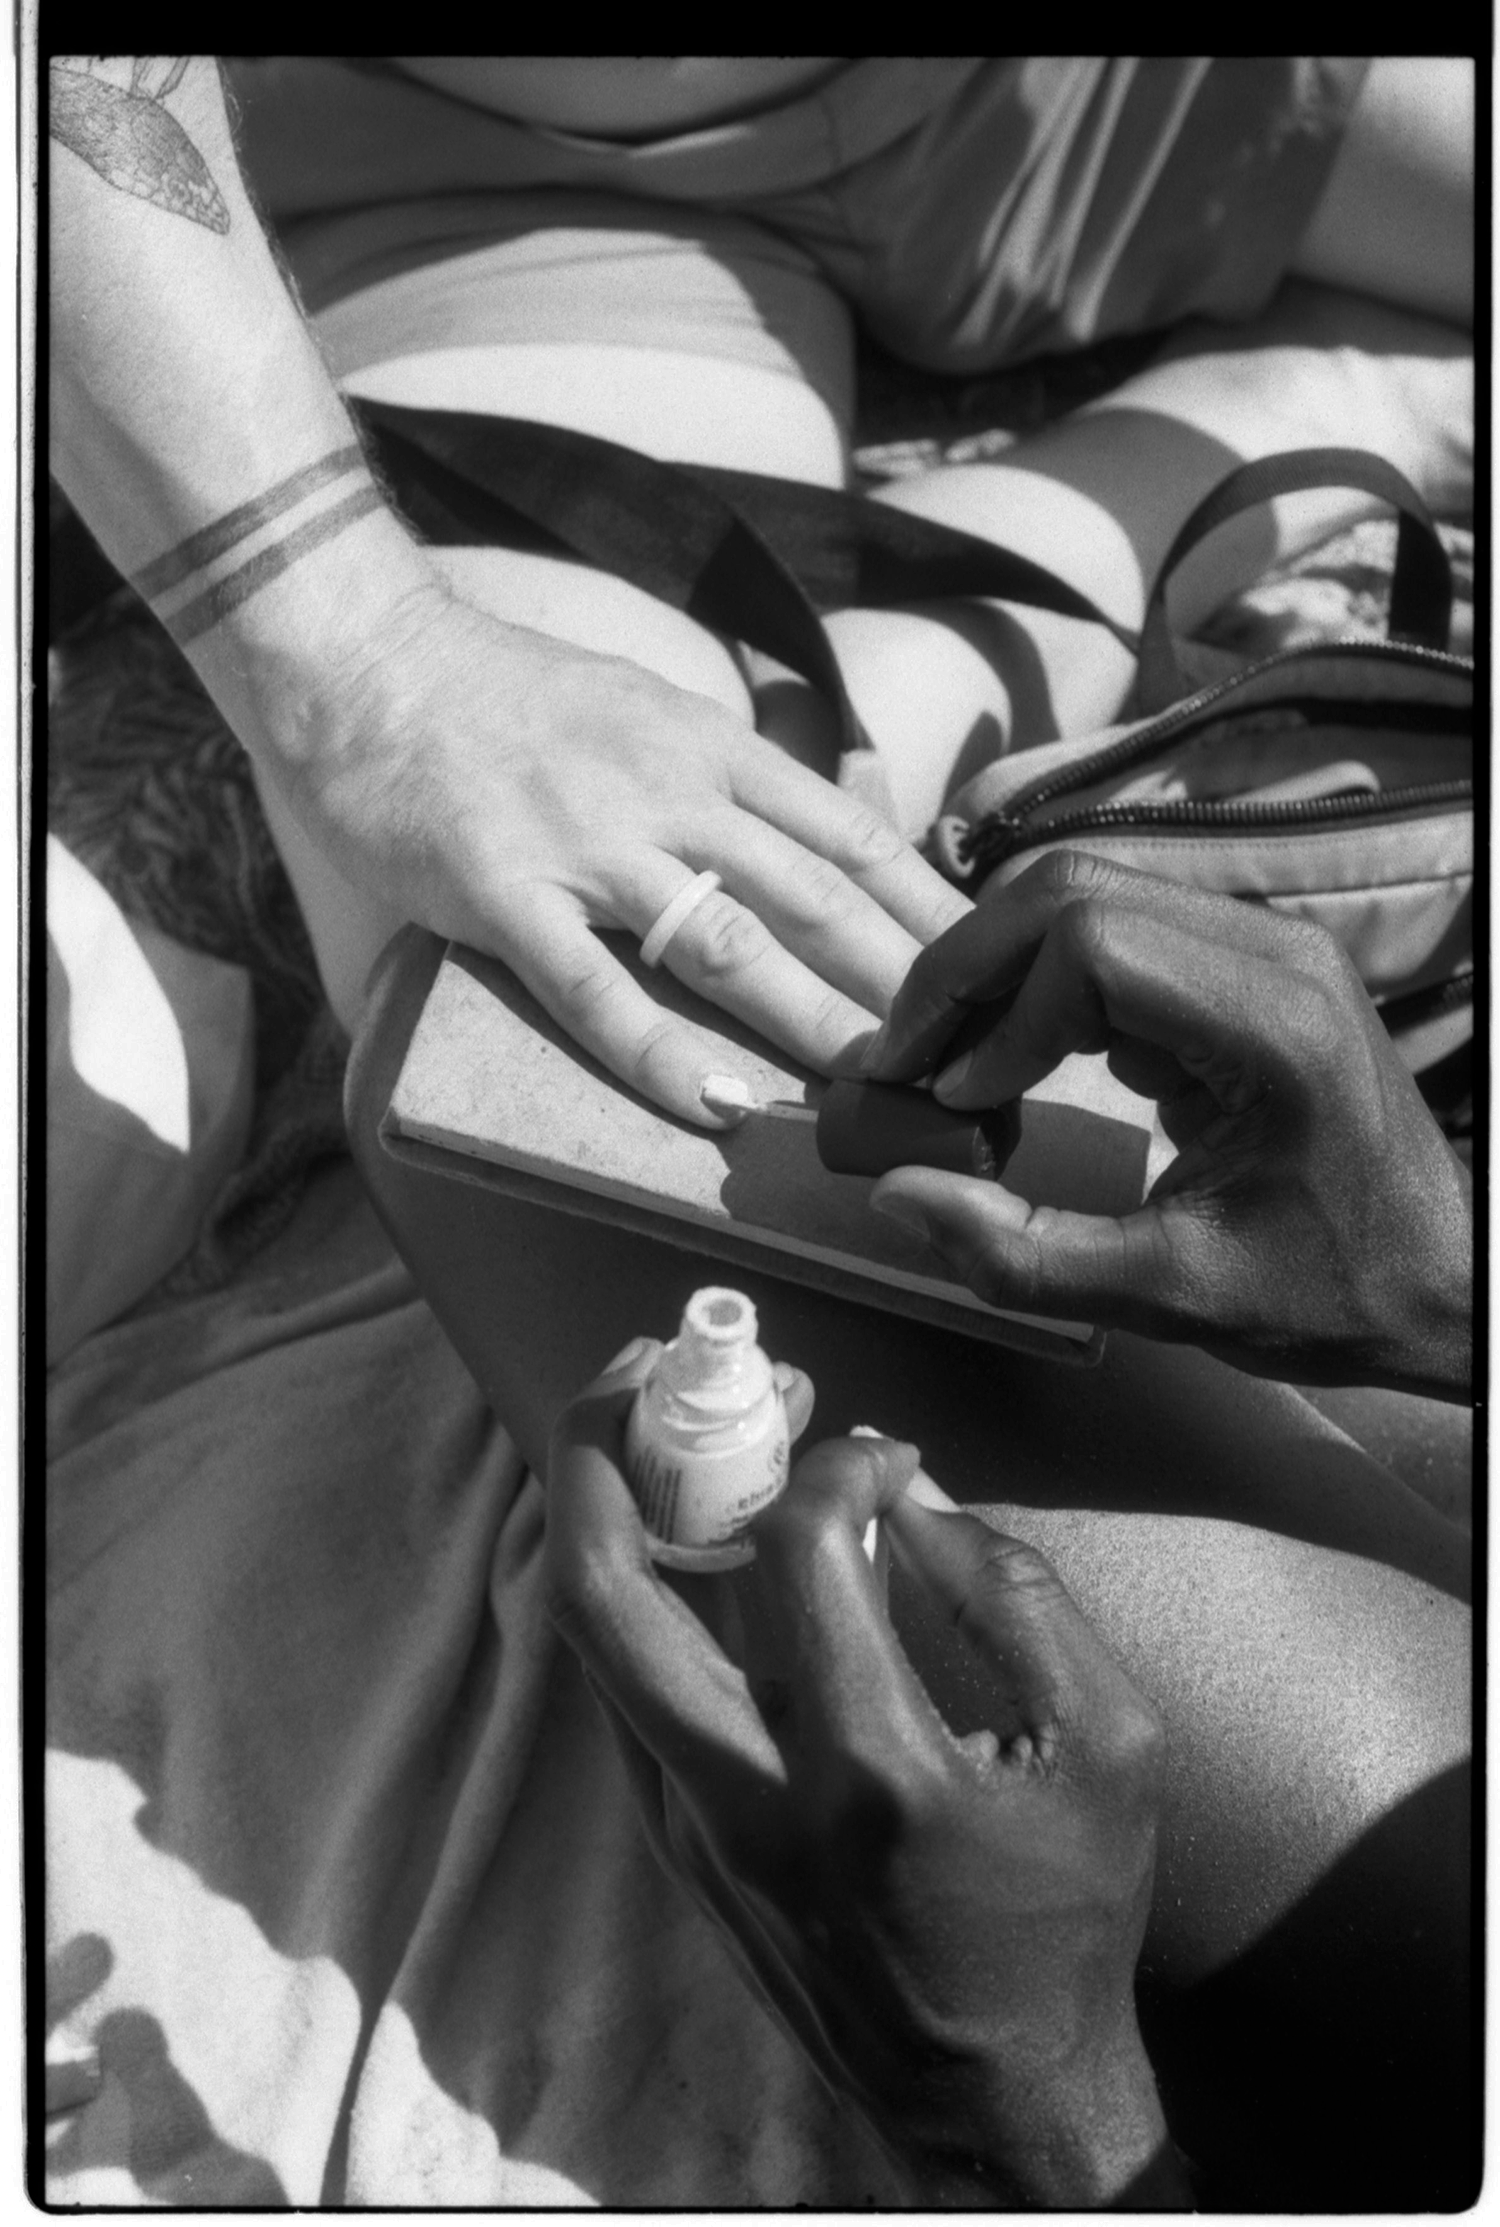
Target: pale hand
x: 516, y: 793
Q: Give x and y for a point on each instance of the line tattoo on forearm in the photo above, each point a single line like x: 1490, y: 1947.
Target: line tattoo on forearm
x: 235, y: 526
x: 241, y: 573
x: 131, y: 138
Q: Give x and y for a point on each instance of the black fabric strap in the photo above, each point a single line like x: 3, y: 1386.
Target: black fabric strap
x: 757, y: 558
x: 744, y: 553
x: 1421, y: 600
x: 464, y: 479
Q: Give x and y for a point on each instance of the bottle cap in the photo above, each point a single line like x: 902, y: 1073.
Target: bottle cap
x: 714, y: 1361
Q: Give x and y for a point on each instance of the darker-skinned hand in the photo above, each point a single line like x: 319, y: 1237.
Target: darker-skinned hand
x: 947, y: 1927
x: 1314, y: 1225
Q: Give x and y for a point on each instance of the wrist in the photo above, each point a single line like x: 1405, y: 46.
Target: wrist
x: 288, y: 666
x: 1072, y: 2142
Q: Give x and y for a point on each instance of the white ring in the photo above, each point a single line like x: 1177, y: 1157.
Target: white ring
x: 691, y: 895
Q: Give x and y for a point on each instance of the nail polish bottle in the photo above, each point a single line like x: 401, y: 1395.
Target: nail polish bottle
x: 706, y: 1444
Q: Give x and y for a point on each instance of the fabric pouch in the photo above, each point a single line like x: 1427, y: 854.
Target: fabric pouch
x: 1334, y: 781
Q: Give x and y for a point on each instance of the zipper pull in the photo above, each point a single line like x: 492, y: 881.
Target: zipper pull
x: 951, y: 845
x: 991, y: 841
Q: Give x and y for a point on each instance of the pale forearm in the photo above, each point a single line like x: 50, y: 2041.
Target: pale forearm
x: 194, y: 424
x: 184, y: 382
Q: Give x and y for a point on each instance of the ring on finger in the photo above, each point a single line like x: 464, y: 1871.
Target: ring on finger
x: 691, y: 895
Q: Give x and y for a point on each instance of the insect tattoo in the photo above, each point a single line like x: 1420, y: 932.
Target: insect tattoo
x: 215, y: 570
x: 131, y: 139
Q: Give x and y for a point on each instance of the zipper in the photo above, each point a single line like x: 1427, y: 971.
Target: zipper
x: 1000, y: 834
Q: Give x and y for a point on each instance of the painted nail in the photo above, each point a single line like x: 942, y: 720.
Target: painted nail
x: 953, y: 1078
x: 906, y: 1211
x: 926, y: 1494
x: 628, y: 1354
x: 727, y: 1096
x: 868, y: 1430
x: 874, y: 1051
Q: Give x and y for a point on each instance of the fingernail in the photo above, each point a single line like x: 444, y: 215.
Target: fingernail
x: 927, y: 1494
x: 953, y: 1078
x: 868, y: 1430
x: 874, y: 1051
x: 897, y: 1208
x: 628, y: 1354
x: 726, y: 1096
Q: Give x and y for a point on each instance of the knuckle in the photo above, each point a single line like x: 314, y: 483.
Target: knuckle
x: 1135, y: 1747
x: 1310, y: 946
x: 821, y: 894
x: 1012, y: 1567
x: 868, y: 842
x: 651, y: 1055
x: 1139, y: 1736
x: 589, y: 987
x: 1009, y: 1268
x: 1085, y: 931
x: 997, y: 1279
x: 1067, y: 876
x: 801, y: 1523
x: 876, y: 1803
x: 1311, y: 1017
x: 727, y: 939
x: 828, y: 1019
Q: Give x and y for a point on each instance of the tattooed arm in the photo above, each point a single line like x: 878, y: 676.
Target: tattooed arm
x: 489, y: 781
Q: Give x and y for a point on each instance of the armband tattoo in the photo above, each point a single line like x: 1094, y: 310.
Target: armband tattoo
x: 221, y: 566
x: 130, y: 137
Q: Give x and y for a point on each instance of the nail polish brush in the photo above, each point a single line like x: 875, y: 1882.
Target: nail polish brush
x: 870, y: 1128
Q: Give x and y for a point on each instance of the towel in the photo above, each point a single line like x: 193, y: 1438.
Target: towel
x: 347, y: 1902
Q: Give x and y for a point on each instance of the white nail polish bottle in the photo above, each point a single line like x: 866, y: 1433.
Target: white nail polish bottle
x: 706, y: 1446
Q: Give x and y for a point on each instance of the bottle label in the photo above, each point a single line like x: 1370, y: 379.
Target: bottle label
x: 706, y: 1499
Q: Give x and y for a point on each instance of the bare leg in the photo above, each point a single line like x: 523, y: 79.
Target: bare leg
x: 1292, y: 1608
x: 1099, y: 497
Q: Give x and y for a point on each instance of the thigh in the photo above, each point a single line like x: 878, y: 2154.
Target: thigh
x: 1098, y: 498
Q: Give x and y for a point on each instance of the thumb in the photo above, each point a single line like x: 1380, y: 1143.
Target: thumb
x: 1065, y: 1691
x: 1126, y: 1269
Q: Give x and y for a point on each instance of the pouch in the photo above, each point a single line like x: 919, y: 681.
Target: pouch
x: 1334, y: 781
